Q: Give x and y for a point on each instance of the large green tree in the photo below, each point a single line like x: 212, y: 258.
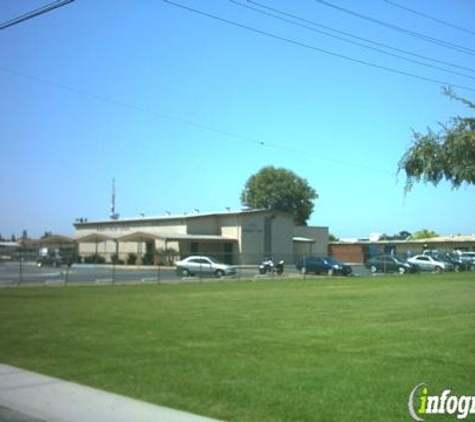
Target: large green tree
x: 448, y: 153
x: 281, y: 190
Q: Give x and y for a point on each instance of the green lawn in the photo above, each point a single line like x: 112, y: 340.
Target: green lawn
x: 299, y: 350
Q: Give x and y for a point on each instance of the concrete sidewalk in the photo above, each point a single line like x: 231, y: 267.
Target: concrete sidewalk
x: 30, y: 397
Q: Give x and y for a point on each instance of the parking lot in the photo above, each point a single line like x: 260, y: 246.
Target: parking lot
x: 16, y: 273
x: 28, y: 273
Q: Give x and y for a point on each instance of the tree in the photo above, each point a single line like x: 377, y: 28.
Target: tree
x: 445, y: 154
x: 280, y: 189
x: 424, y: 234
x: 402, y: 235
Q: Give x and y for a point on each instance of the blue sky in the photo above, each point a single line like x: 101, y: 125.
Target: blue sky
x: 181, y: 109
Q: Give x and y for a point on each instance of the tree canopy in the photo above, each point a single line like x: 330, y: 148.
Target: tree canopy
x: 448, y: 153
x: 424, y: 234
x: 281, y: 190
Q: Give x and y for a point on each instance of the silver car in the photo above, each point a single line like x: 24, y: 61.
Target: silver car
x: 203, y: 265
x: 428, y: 263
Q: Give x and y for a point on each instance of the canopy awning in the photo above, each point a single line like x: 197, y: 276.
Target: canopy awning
x: 54, y: 240
x: 297, y: 239
x: 94, y: 238
x: 138, y: 237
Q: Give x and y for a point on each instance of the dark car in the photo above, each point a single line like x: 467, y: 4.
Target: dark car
x: 53, y: 260
x: 389, y: 264
x: 322, y: 265
x: 460, y: 262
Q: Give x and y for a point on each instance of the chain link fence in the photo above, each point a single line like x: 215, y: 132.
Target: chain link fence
x: 26, y: 268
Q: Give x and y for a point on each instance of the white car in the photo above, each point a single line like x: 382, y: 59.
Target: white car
x: 428, y: 263
x: 468, y: 256
x: 203, y: 265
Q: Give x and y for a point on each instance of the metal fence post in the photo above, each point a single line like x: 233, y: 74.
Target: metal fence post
x: 20, y: 275
x: 113, y: 270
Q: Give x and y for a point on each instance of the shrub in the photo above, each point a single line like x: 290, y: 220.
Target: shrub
x: 131, y: 259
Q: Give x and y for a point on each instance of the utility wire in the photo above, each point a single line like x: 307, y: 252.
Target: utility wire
x: 37, y: 12
x: 313, y: 48
x: 133, y: 107
x: 418, y: 35
x: 432, y: 18
x: 378, y: 50
x: 348, y: 34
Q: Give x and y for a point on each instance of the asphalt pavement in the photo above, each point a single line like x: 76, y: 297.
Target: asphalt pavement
x: 28, y: 274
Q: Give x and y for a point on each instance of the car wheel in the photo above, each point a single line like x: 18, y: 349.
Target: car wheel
x: 330, y: 272
x: 438, y: 269
x: 219, y: 273
x: 402, y: 270
x: 185, y: 272
x: 373, y: 269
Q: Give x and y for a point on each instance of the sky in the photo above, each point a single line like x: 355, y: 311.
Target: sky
x: 182, y: 106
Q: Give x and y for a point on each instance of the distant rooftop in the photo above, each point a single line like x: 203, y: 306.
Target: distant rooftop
x: 438, y: 239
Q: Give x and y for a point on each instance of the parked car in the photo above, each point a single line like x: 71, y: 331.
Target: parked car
x: 389, y: 264
x: 467, y: 255
x: 203, y: 265
x: 322, y: 265
x: 429, y: 263
x: 53, y: 260
x: 460, y: 261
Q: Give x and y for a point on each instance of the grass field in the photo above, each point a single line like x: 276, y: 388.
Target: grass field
x: 299, y: 350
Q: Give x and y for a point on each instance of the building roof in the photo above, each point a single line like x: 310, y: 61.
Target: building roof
x: 439, y: 239
x: 8, y: 244
x: 139, y: 236
x: 53, y: 240
x: 80, y: 224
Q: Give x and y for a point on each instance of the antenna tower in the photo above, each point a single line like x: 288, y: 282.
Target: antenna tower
x: 113, y: 215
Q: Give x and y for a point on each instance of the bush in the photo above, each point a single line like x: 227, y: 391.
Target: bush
x: 94, y: 259
x: 116, y: 261
x: 167, y: 256
x: 131, y: 259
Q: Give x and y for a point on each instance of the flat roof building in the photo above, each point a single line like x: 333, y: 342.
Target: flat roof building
x: 358, y: 251
x: 242, y: 237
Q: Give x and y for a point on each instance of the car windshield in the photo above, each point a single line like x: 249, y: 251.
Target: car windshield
x: 213, y: 260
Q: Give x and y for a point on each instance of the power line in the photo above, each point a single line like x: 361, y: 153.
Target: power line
x: 348, y: 34
x: 37, y: 12
x: 432, y: 18
x: 418, y: 35
x: 133, y: 107
x: 378, y: 50
x: 313, y: 48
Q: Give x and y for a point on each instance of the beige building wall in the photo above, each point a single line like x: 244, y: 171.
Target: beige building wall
x: 251, y: 245
x: 206, y: 225
x: 282, y: 233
